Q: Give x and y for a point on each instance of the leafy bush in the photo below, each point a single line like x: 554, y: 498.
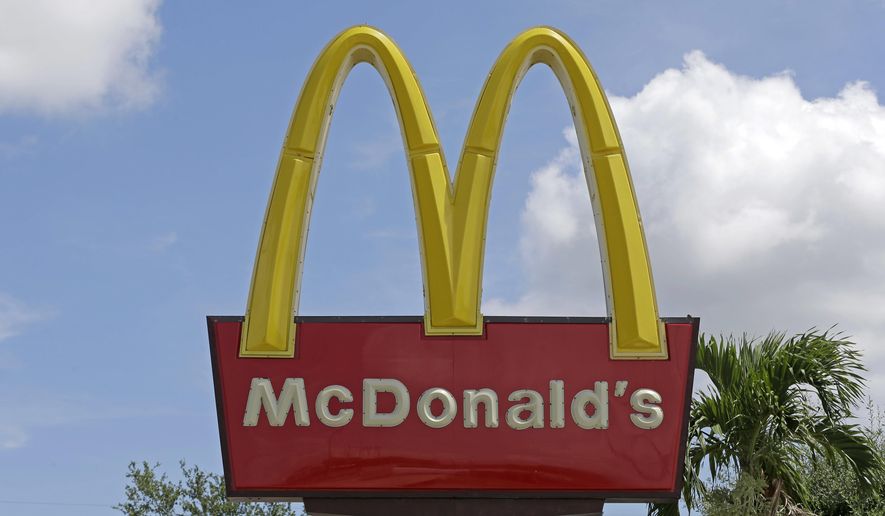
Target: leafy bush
x: 837, y: 490
x: 197, y: 493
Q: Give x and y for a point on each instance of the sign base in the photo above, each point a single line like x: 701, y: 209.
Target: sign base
x: 452, y: 507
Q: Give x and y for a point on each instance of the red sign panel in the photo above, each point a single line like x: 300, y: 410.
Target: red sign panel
x: 374, y: 407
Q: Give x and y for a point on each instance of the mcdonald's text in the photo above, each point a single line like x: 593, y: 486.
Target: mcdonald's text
x: 438, y: 408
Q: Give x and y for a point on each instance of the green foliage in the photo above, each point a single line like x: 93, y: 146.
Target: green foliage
x: 742, y: 498
x: 838, y: 491
x: 774, y: 403
x: 198, y: 493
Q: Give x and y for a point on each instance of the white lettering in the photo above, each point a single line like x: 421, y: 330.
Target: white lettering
x: 322, y: 405
x: 335, y: 405
x: 598, y: 397
x: 371, y: 388
x: 535, y: 406
x: 650, y: 416
x: 472, y: 399
x: 261, y: 394
x: 449, y: 411
x: 557, y: 404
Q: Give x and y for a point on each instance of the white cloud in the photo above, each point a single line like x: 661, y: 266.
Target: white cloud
x: 22, y: 146
x: 12, y: 437
x: 762, y: 209
x: 14, y: 316
x: 33, y: 409
x: 558, y: 234
x: 163, y: 242
x: 376, y: 151
x: 61, y: 56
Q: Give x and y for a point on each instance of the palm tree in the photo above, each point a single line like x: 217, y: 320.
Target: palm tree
x: 772, y: 404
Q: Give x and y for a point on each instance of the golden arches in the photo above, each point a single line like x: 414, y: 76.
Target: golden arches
x: 452, y: 221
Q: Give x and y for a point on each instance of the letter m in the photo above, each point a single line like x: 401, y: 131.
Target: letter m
x: 262, y: 395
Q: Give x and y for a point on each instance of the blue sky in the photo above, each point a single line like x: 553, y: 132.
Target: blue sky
x: 138, y: 142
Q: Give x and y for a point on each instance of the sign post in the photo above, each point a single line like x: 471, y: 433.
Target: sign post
x: 453, y: 411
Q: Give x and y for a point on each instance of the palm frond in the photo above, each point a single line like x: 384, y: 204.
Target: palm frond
x: 774, y: 401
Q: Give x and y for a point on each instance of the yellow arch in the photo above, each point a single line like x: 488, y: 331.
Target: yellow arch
x: 452, y: 221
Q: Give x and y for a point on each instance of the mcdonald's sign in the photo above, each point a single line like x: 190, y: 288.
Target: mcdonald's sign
x: 452, y: 405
